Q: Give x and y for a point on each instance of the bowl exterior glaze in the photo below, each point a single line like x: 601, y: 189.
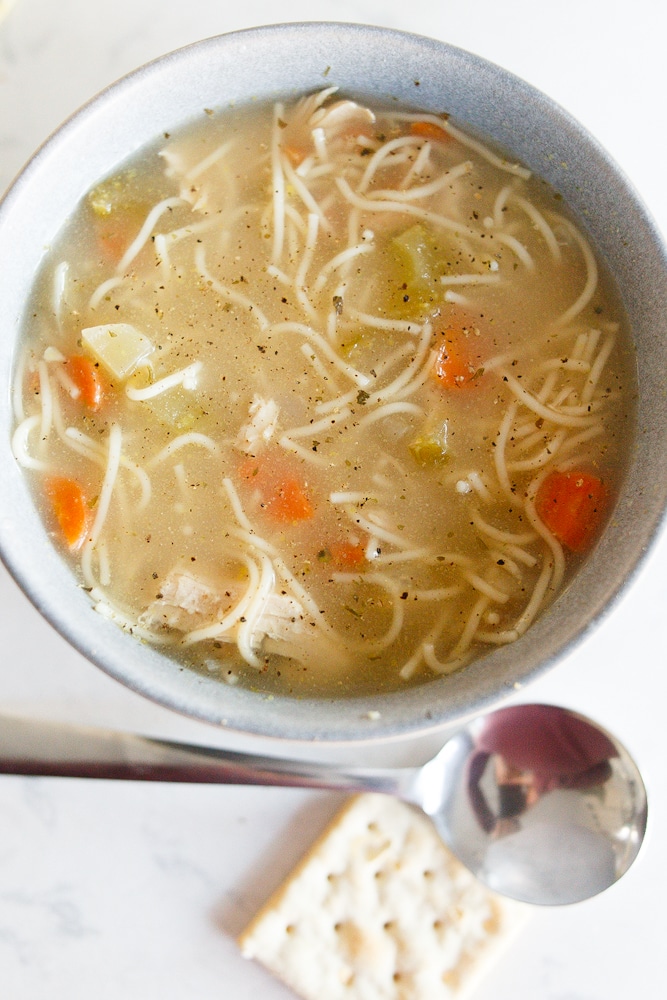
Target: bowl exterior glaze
x: 284, y: 61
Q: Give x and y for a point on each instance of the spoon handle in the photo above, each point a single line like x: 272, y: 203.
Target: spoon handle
x: 31, y: 747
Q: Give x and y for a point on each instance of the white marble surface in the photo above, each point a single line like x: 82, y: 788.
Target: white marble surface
x: 135, y: 892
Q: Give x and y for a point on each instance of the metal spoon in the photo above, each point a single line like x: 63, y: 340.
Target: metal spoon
x: 540, y: 803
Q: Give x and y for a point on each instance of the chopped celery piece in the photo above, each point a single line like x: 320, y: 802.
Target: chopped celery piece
x: 414, y: 257
x: 176, y: 408
x: 430, y: 446
x: 420, y: 258
x: 111, y: 194
x: 357, y: 342
x: 415, y: 250
x: 120, y: 347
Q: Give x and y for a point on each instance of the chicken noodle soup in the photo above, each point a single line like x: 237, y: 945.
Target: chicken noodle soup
x: 322, y: 398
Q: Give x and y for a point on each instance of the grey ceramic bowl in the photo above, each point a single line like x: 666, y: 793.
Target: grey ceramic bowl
x: 287, y: 60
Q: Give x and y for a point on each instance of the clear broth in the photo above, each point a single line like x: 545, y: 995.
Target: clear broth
x: 377, y: 338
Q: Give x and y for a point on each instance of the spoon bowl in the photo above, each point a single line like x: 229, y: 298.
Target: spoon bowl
x: 540, y: 803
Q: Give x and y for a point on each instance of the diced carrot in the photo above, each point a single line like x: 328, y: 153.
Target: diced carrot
x: 348, y: 554
x: 572, y: 505
x: 429, y: 130
x: 113, y: 240
x: 116, y: 231
x: 86, y: 376
x: 284, y: 497
x: 70, y: 509
x: 294, y: 154
x: 456, y: 365
x: 290, y: 502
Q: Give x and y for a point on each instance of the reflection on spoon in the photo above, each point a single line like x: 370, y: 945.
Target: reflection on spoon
x: 555, y: 810
x: 540, y: 803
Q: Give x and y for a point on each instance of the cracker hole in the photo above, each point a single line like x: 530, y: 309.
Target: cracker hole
x: 428, y: 873
x: 290, y: 929
x: 388, y: 925
x: 372, y: 826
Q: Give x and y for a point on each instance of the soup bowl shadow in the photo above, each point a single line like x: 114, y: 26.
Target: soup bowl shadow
x: 283, y: 61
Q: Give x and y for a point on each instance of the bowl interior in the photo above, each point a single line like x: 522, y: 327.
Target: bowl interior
x: 287, y: 60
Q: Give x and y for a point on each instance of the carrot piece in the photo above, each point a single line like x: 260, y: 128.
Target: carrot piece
x: 294, y: 154
x: 86, y: 376
x: 348, y: 554
x: 429, y: 130
x: 290, y: 502
x: 455, y: 366
x: 113, y: 241
x: 116, y: 230
x: 70, y: 508
x: 572, y: 505
x: 283, y: 496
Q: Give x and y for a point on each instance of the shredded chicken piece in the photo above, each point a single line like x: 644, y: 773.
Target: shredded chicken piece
x: 340, y: 116
x: 263, y: 414
x: 282, y: 618
x: 185, y: 602
x: 305, y: 108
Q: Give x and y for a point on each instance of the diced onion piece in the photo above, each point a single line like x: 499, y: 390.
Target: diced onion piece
x: 120, y: 347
